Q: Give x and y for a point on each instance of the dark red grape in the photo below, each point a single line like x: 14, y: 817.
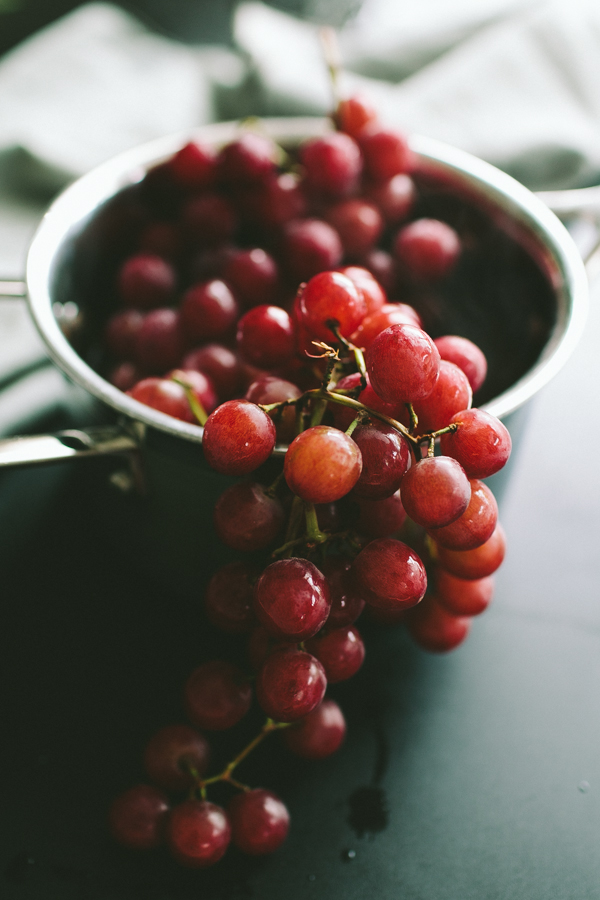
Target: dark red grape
x: 340, y: 651
x: 121, y: 332
x: 435, y: 491
x: 164, y: 395
x: 137, y: 817
x: 332, y: 164
x: 358, y: 223
x: 253, y: 275
x: 259, y: 821
x: 427, y: 248
x: 319, y: 734
x: 273, y: 202
x: 381, y: 518
x: 291, y: 599
x: 475, y: 526
x: 248, y: 159
x: 247, y: 518
x: 385, y: 459
x: 403, y: 364
x: 310, y: 246
x: 466, y: 355
x: 160, y: 341
x: 390, y: 573
x: 146, y: 281
x: 209, y: 219
x: 290, y: 684
x: 229, y: 597
x: 171, y: 754
x: 373, y: 294
x: 322, y: 464
x: 266, y: 336
x: 125, y: 376
x: 386, y: 152
x: 193, y: 166
x: 198, y: 833
x: 346, y: 602
x: 220, y: 365
x: 238, y: 438
x: 481, y: 443
x: 208, y: 310
x: 271, y: 389
x: 217, y: 695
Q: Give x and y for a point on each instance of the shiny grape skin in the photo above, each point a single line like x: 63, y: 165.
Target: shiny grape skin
x: 376, y: 322
x: 391, y: 574
x: 463, y: 597
x: 385, y: 459
x: 466, y: 355
x: 452, y: 393
x: 290, y: 684
x: 319, y: 734
x: 164, y: 395
x: 291, y: 599
x: 137, y: 817
x: 477, y: 563
x: 346, y: 602
x: 247, y: 518
x: 332, y: 164
x: 238, y: 437
x: 271, y: 389
x: 209, y: 310
x: 217, y: 695
x: 353, y: 113
x: 198, y: 833
x: 403, y: 364
x: 228, y: 599
x: 475, y: 526
x: 248, y: 159
x: 322, y: 464
x: 386, y: 152
x: 259, y: 820
x: 266, y: 336
x: 435, y: 491
x: 434, y: 629
x: 220, y: 365
x: 394, y: 198
x: 330, y: 296
x: 168, y: 753
x: 200, y: 384
x: 481, y: 443
x: 341, y: 652
x: 373, y: 293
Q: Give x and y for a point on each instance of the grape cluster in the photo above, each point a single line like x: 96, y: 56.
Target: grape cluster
x: 381, y: 509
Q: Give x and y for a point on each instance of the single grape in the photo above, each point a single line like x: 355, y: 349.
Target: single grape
x: 386, y: 152
x: 434, y: 629
x: 358, y: 223
x: 238, y: 438
x: 270, y: 389
x: 291, y: 599
x: 346, y: 602
x: 330, y: 297
x: 247, y: 517
x: 253, y: 275
x: 198, y: 833
x: 322, y: 464
x: 435, y: 491
x: 172, y: 753
x: 403, y: 364
x: 248, y: 159
x: 394, y: 197
x: 380, y: 518
x: 290, y: 684
x: 332, y: 164
x: 125, y: 376
x: 353, y: 113
x: 390, y: 573
x: 229, y: 597
x: 146, y: 281
x: 193, y: 166
x: 481, y: 443
x: 373, y: 294
x: 164, y: 395
x: 217, y: 695
x: 385, y: 459
x: 451, y: 394
x: 376, y: 322
x: 259, y: 821
x: 466, y: 355
x: 220, y: 365
x: 340, y: 651
x: 121, y: 332
x: 208, y: 311
x: 274, y: 201
x: 477, y: 563
x: 137, y: 817
x: 199, y: 383
x: 475, y: 526
x: 160, y: 340
x: 266, y: 336
x: 427, y: 248
x: 310, y: 246
x: 463, y: 597
x: 319, y: 734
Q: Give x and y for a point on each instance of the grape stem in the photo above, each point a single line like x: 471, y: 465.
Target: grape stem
x: 226, y: 775
x: 359, y: 358
x: 196, y: 407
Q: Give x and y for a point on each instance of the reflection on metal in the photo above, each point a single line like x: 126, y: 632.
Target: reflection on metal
x: 71, y: 444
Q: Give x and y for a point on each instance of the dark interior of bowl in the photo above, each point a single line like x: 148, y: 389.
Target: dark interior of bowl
x: 497, y: 295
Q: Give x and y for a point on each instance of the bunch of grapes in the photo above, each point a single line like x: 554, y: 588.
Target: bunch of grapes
x: 381, y: 508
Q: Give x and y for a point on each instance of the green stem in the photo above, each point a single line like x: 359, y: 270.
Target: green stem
x: 313, y: 532
x: 271, y: 491
x: 192, y: 398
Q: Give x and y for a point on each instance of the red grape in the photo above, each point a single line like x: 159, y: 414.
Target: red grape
x: 209, y: 219
x: 248, y: 159
x: 390, y: 573
x: 198, y: 833
x: 266, y: 336
x: 428, y: 249
x: 330, y: 296
x: 217, y: 695
x: 253, y: 276
x: 193, y: 166
x: 159, y: 342
x: 208, y: 310
x: 319, y: 734
x: 229, y: 597
x: 394, y: 197
x: 353, y: 113
x: 310, y: 246
x: 340, y: 651
x: 477, y: 563
x: 322, y: 464
x: 146, y: 281
x: 332, y: 164
x: 385, y: 459
x: 381, y: 518
x: 247, y: 518
x: 451, y: 394
x: 346, y: 602
x: 358, y: 223
x: 435, y: 491
x: 463, y: 597
x: 290, y: 684
x: 164, y: 395
x: 291, y: 599
x: 435, y: 629
x: 172, y: 752
x: 376, y: 322
x: 373, y: 293
x: 137, y: 817
x: 220, y: 365
x: 238, y: 438
x: 466, y: 355
x: 386, y: 153
x: 259, y: 821
x: 121, y: 332
x: 481, y: 443
x: 200, y: 385
x: 475, y: 526
x: 403, y: 364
